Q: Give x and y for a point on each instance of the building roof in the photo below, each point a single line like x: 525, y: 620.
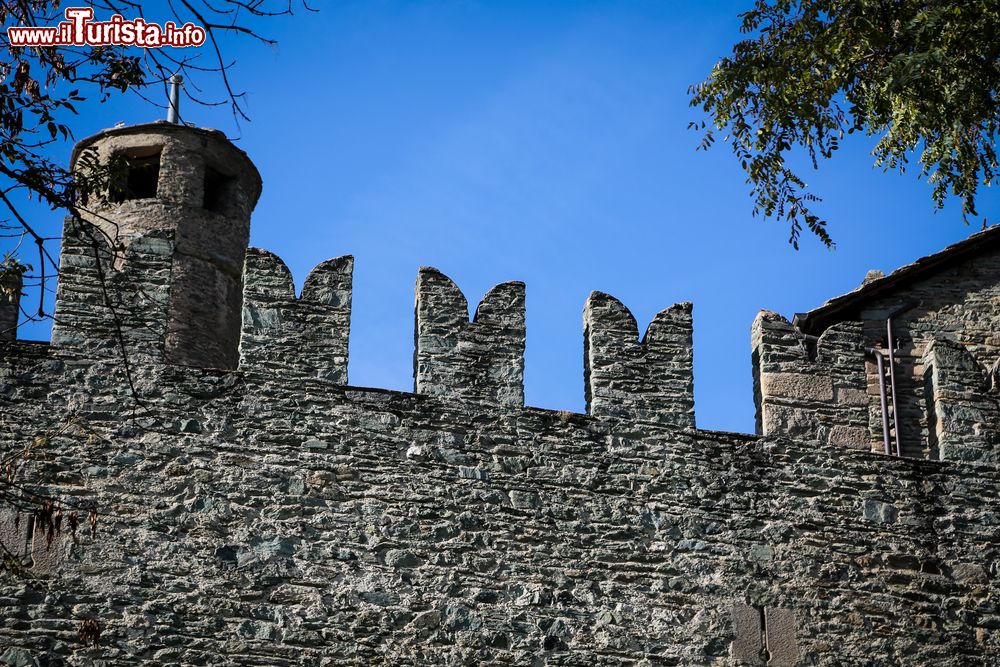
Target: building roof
x: 848, y: 306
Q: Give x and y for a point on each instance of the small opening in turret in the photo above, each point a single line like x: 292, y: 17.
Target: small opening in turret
x: 142, y: 174
x: 218, y: 191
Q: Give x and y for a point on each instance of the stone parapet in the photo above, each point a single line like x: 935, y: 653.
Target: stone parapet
x: 626, y: 378
x: 811, y: 389
x: 481, y: 360
x: 304, y: 337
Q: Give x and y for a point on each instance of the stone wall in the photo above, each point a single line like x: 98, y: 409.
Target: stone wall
x: 251, y: 520
x: 811, y: 389
x: 304, y: 337
x: 10, y: 299
x: 960, y: 304
x: 272, y: 515
x: 633, y: 380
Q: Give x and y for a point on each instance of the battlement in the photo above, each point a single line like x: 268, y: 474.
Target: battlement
x: 482, y: 360
x: 813, y: 388
x: 638, y: 380
x: 963, y: 410
x: 301, y: 337
x: 810, y: 388
x: 257, y: 509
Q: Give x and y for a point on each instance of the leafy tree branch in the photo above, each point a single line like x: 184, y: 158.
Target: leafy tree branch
x: 922, y: 77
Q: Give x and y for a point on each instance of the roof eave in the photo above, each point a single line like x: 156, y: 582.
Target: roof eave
x: 848, y: 306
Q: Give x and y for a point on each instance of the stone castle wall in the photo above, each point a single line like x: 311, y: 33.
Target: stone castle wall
x: 275, y: 515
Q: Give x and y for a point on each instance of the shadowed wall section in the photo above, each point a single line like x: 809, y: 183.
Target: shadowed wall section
x: 963, y: 411
x: 112, y: 302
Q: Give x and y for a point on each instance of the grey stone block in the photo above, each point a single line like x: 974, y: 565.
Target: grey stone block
x: 747, y: 647
x: 782, y: 648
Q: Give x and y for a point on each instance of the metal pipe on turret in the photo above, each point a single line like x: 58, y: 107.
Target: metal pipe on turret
x: 173, y: 109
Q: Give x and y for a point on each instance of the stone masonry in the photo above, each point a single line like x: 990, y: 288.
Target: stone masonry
x: 204, y: 189
x: 254, y: 508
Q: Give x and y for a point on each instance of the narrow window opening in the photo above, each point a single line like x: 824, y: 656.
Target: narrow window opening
x: 139, y: 176
x: 218, y: 191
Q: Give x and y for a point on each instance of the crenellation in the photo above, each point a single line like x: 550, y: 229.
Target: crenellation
x: 304, y: 337
x: 481, y: 360
x: 964, y: 413
x: 646, y: 380
x: 272, y: 514
x: 815, y: 389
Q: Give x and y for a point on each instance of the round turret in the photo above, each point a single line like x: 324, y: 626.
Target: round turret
x: 198, y: 185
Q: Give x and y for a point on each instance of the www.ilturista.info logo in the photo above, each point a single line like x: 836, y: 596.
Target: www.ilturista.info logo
x: 80, y: 29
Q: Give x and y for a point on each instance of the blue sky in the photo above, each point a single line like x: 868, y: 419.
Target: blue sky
x: 537, y: 141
